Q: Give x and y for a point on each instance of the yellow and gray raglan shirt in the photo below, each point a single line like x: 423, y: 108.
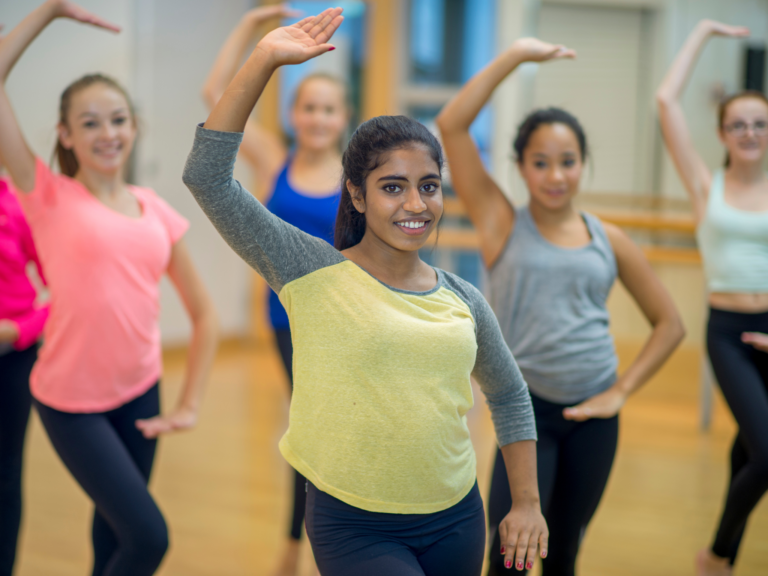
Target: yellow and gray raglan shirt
x: 381, y: 375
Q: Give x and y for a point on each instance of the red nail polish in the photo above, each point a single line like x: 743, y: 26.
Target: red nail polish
x: 520, y: 565
x: 508, y: 564
x: 529, y: 565
x: 332, y: 48
x: 503, y: 549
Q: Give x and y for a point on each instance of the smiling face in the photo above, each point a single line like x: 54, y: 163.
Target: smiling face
x: 403, y: 199
x: 320, y: 114
x: 551, y: 166
x: 99, y: 129
x: 744, y: 130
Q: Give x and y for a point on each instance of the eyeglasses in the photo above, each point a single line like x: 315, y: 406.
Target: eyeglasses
x: 739, y: 128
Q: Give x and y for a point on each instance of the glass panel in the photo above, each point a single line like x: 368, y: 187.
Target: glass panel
x: 449, y: 39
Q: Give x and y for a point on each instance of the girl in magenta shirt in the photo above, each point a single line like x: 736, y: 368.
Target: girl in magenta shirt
x: 21, y: 322
x: 104, y: 245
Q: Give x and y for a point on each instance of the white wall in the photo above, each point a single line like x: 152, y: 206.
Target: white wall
x: 670, y: 23
x: 721, y: 62
x: 161, y: 57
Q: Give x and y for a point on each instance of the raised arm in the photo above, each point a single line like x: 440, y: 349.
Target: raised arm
x: 667, y: 329
x: 276, y: 250
x: 262, y: 148
x: 690, y: 166
x: 15, y: 153
x: 488, y: 208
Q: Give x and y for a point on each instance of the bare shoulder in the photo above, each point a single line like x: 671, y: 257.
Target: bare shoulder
x: 622, y: 244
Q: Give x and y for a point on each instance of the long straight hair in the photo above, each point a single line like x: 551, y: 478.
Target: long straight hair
x: 370, y: 142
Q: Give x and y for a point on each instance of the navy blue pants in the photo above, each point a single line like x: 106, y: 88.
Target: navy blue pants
x: 574, y: 460
x: 742, y: 373
x: 285, y: 347
x: 112, y: 461
x: 348, y: 541
x: 15, y: 402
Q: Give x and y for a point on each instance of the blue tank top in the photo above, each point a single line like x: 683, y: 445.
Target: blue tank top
x: 315, y: 215
x: 551, y: 306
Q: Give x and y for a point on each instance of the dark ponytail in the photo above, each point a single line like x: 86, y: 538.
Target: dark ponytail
x: 368, y: 144
x: 68, y: 164
x: 548, y: 116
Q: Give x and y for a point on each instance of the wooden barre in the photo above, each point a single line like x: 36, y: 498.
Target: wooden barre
x: 644, y: 219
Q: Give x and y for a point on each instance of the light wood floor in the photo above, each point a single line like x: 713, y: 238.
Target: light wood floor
x: 224, y: 487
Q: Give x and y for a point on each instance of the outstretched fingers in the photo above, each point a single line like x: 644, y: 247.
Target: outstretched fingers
x: 324, y: 28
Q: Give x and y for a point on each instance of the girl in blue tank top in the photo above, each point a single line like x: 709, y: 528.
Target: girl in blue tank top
x: 550, y: 270
x: 302, y: 186
x: 730, y: 206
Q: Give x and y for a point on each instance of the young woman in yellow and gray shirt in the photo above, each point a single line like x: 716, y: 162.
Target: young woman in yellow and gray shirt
x: 384, y: 345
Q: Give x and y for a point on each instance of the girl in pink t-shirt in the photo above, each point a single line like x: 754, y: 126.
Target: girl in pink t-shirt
x: 21, y: 321
x: 104, y: 246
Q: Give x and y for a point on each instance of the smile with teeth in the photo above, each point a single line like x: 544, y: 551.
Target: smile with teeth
x: 412, y: 224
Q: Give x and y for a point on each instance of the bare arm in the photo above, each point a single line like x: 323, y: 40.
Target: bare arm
x: 487, y: 207
x: 263, y: 149
x: 524, y: 530
x: 15, y: 153
x: 657, y: 306
x: 690, y: 166
x: 202, y: 348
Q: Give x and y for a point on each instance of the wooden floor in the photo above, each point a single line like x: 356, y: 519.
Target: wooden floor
x: 224, y: 486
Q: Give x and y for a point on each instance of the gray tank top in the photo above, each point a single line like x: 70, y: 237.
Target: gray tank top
x: 550, y: 302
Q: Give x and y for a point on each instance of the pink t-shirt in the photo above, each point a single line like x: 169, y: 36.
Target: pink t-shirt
x: 17, y: 294
x: 102, y: 341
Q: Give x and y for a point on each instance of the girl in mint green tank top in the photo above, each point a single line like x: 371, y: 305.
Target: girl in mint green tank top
x: 730, y: 206
x: 550, y: 270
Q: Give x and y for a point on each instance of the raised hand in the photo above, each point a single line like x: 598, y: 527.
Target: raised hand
x: 604, y: 405
x: 535, y: 50
x: 263, y: 13
x: 302, y: 41
x: 74, y: 12
x: 720, y: 29
x: 180, y: 419
x: 757, y: 339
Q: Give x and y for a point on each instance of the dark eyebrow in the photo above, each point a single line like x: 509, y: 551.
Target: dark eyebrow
x: 393, y: 177
x: 402, y: 178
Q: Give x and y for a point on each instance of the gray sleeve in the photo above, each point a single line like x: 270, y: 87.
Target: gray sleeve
x: 496, y: 371
x: 278, y: 251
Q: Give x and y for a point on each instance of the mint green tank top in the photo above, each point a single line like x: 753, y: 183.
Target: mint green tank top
x: 733, y: 244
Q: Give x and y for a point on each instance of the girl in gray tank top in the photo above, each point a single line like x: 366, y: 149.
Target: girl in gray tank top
x: 550, y: 271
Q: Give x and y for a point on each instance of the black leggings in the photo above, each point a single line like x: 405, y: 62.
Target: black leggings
x: 742, y: 373
x: 15, y: 402
x: 574, y: 462
x: 285, y: 346
x: 112, y: 461
x: 348, y: 541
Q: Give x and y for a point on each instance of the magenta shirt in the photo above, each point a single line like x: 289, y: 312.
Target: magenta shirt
x: 17, y: 294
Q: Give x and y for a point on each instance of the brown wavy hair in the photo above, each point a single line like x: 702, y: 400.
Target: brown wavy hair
x: 68, y: 164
